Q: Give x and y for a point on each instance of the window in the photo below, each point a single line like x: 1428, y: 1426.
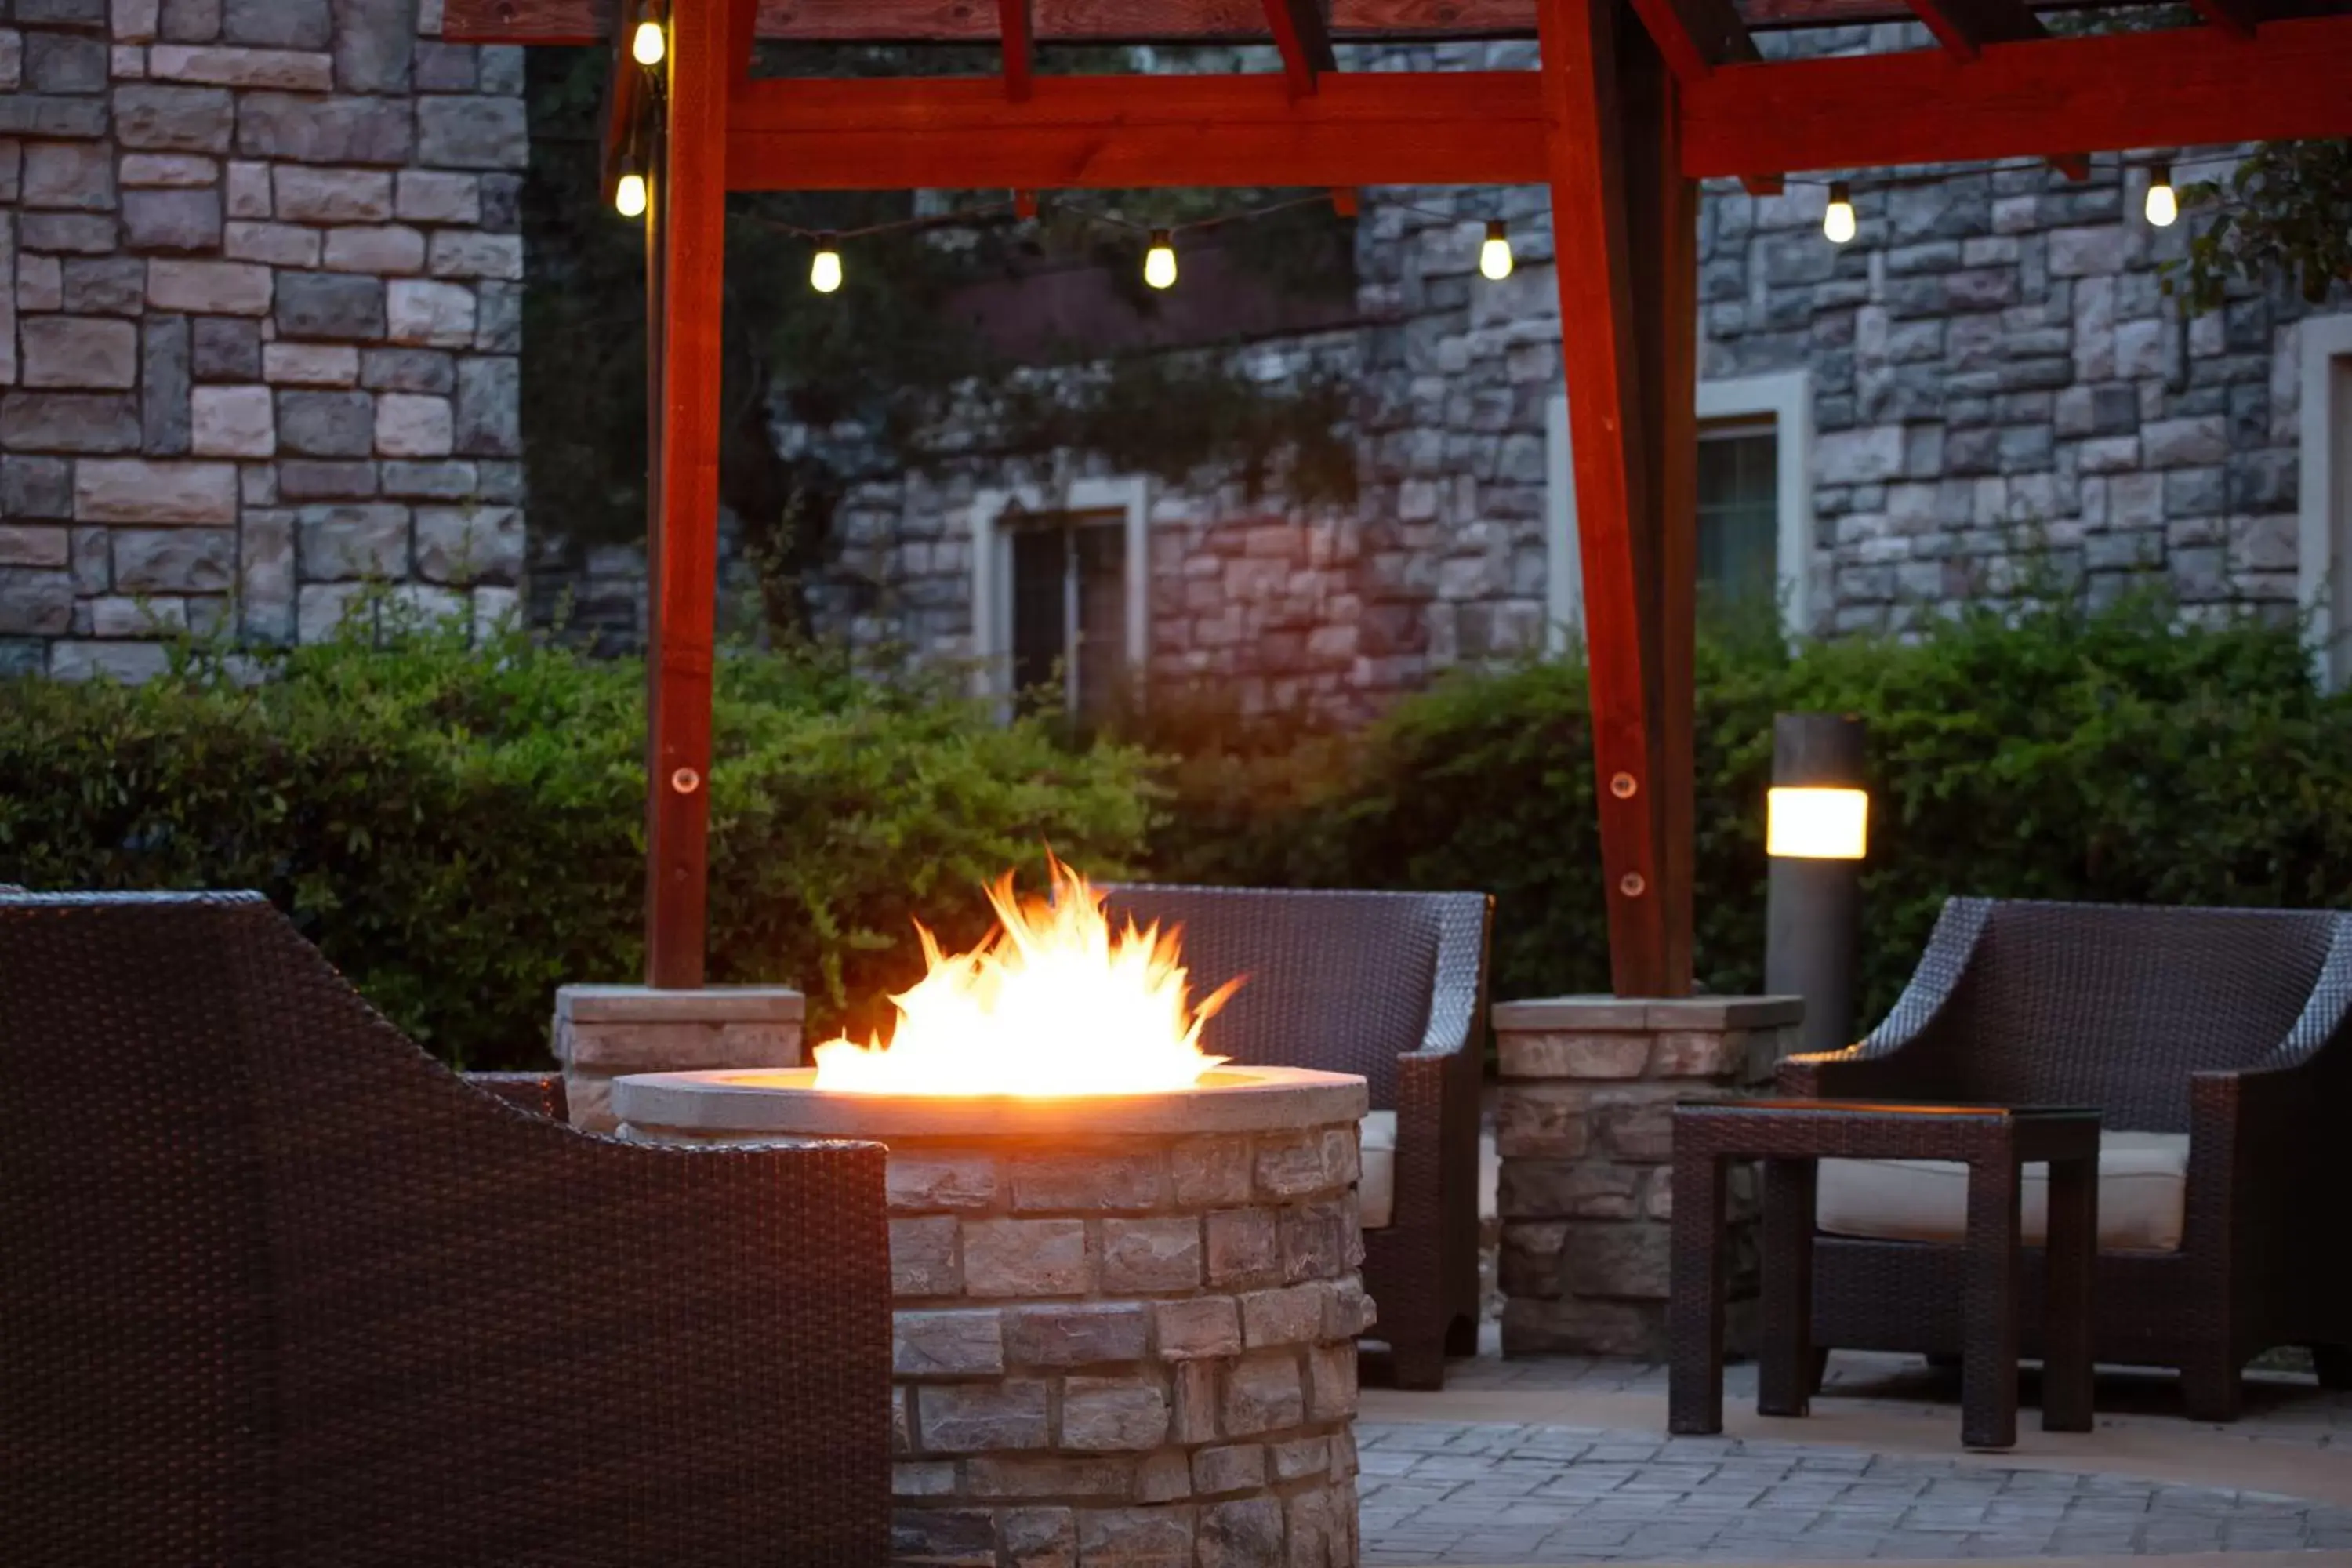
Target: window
x: 1069, y: 606
x: 2326, y: 491
x: 1755, y: 499
x: 1058, y: 581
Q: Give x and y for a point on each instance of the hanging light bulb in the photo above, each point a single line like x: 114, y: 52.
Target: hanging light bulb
x: 1495, y: 255
x: 824, y: 267
x: 1837, y: 223
x: 2163, y: 204
x: 630, y: 197
x: 649, y: 44
x: 1159, y: 261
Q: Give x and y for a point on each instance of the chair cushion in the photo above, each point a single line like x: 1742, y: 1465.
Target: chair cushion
x: 1377, y: 1188
x: 2142, y: 1180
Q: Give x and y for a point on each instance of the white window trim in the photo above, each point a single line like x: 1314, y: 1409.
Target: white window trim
x: 2321, y: 558
x: 1787, y: 396
x: 992, y: 570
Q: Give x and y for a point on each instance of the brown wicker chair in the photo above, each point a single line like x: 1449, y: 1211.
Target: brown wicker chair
x: 2226, y: 1024
x: 1392, y: 986
x: 278, y: 1289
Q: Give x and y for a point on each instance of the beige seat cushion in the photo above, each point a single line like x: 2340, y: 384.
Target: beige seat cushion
x: 1377, y: 1189
x: 2142, y: 1180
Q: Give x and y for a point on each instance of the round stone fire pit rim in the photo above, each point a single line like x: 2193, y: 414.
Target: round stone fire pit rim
x: 785, y: 1101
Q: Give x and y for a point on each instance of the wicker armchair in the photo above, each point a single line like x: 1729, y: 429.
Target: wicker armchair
x: 276, y: 1288
x: 2226, y: 1024
x: 1392, y: 986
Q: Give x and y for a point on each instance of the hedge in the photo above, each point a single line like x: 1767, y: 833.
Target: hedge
x: 461, y: 828
x: 2049, y: 752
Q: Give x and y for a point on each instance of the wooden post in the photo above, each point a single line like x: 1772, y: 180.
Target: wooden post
x: 1626, y: 225
x: 707, y: 39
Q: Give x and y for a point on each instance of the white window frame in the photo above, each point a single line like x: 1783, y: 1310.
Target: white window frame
x: 992, y: 570
x: 1784, y: 397
x: 2324, y: 555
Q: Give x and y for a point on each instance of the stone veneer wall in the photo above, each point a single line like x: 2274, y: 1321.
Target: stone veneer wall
x: 261, y: 304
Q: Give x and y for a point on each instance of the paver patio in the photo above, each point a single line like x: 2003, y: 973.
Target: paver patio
x: 1563, y: 1460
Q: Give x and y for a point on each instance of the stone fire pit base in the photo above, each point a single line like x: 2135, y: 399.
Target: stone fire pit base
x: 1125, y: 1327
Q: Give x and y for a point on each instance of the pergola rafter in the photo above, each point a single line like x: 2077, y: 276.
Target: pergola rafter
x: 1635, y: 100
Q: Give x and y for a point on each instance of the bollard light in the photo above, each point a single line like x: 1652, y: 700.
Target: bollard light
x: 1816, y: 831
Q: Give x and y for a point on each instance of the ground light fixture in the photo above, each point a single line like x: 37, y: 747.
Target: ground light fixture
x: 1495, y: 253
x: 1159, y: 260
x: 1837, y: 221
x: 824, y: 267
x: 1817, y: 831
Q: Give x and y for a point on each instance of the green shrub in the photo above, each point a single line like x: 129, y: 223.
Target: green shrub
x: 2116, y: 755
x: 461, y: 829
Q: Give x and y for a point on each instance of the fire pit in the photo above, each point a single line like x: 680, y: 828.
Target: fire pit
x: 1125, y: 1321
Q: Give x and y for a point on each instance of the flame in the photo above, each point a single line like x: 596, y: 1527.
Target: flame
x: 1054, y: 1002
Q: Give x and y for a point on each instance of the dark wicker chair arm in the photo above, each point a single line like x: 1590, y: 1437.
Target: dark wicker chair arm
x: 540, y: 1093
x: 1457, y: 1003
x: 1914, y: 1054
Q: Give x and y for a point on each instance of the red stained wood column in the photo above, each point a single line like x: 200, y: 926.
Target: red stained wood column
x: 688, y: 260
x: 1625, y: 226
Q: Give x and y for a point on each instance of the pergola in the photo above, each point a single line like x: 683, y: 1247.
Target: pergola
x: 1634, y: 101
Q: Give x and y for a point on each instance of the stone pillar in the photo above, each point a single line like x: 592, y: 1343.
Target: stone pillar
x: 605, y: 1032
x: 1584, y: 1125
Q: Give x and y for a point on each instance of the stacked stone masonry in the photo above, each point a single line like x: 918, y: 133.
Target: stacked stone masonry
x: 1140, y: 1351
x: 260, y: 309
x: 1584, y: 1125
x: 605, y: 1032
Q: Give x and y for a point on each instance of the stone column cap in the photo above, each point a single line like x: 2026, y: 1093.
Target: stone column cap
x: 1608, y: 1014
x: 711, y: 1004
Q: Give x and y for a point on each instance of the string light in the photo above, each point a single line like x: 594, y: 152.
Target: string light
x: 630, y: 197
x: 1159, y: 261
x: 1495, y: 255
x: 824, y: 267
x: 650, y: 45
x: 1837, y: 222
x: 2163, y: 205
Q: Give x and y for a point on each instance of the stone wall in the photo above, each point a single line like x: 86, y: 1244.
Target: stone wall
x: 260, y: 305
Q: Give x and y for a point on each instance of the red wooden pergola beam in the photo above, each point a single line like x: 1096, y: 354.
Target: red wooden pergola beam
x: 1107, y: 21
x: 1020, y: 53
x: 2238, y: 18
x: 1124, y: 133
x: 1696, y: 36
x: 2093, y: 94
x: 1304, y: 38
x: 1965, y: 27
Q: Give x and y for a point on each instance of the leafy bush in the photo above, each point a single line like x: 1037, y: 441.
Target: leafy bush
x: 461, y: 828
x: 2114, y: 754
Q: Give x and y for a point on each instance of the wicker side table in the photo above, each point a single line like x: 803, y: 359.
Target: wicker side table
x: 1789, y: 1136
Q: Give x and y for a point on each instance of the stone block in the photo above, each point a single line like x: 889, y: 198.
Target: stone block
x: 310, y: 364
x: 272, y: 243
x: 326, y: 424
x: 159, y: 118
x: 430, y: 314
x: 923, y: 1478
x: 233, y: 422
x: 225, y: 348
x: 1331, y: 1382
x: 943, y: 1538
x: 140, y: 491
x: 69, y: 422
x: 1699, y: 1053
x: 490, y: 407
x: 1263, y: 1393
x: 921, y: 1183
x: 1045, y: 1474
x: 249, y: 190
x: 330, y: 305
x: 1038, y: 1537
x: 429, y: 196
x: 1242, y: 1248
x: 975, y: 1418
x: 471, y: 544
x: 1301, y: 1457
x: 388, y: 250
x: 171, y: 220
x: 1026, y: 1257
x: 1541, y: 1121
x: 1233, y: 1467
x: 1623, y: 1329
x: 12, y: 60
x: 923, y: 1258
x: 350, y: 542
x: 472, y: 134
x: 266, y: 585
x: 140, y: 617
x: 69, y: 233
x: 126, y: 662
x: 1572, y: 1053
x: 408, y: 370
x: 308, y: 478
x: 498, y: 322
x: 58, y: 62
x: 290, y: 70
x: 38, y: 488
x: 444, y: 68
x: 1207, y: 1171
x: 170, y: 171
x: 447, y: 481
x: 70, y: 174
x: 1635, y: 1123
x: 1136, y: 1537
x: 173, y: 560
x: 947, y: 1343
x: 97, y: 286
x: 1113, y: 1415
x: 408, y: 425
x: 209, y: 288
x: 78, y: 351
x: 36, y: 603
x: 1151, y: 1254
x: 1618, y: 1260
x: 461, y: 253
x: 321, y: 611
x: 306, y: 195
x: 1198, y: 1327
x: 373, y: 47
x: 23, y: 544
x: 1529, y: 1264
x: 1066, y: 1183
x: 1087, y: 1334
x: 277, y: 23
x: 306, y: 129
x: 1290, y: 1165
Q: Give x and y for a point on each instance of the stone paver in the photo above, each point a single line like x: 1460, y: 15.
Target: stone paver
x: 1462, y: 1493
